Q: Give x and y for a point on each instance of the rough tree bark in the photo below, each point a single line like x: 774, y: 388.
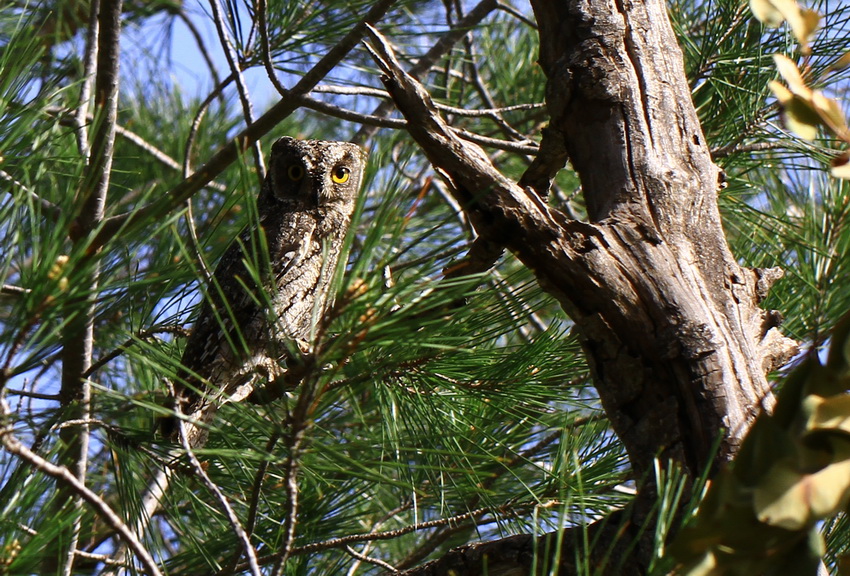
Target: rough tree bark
x: 671, y: 325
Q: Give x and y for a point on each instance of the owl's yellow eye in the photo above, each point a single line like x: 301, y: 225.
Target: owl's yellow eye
x: 295, y: 172
x: 341, y: 174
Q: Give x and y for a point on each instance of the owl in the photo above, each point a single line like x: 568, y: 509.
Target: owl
x: 270, y: 289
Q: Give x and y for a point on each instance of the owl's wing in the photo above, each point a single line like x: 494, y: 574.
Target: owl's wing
x: 232, y: 303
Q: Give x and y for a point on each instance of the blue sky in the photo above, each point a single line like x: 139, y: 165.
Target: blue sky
x: 178, y: 54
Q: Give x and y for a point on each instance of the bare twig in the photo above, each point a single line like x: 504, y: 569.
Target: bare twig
x: 64, y: 476
x: 399, y: 124
x: 473, y: 113
x: 36, y: 395
x: 377, y: 526
x: 388, y: 534
x: 470, y: 112
x: 97, y: 557
x: 26, y: 529
x: 46, y: 205
x: 195, y: 243
x: 134, y: 139
x: 187, y: 171
x: 12, y: 290
x: 440, y: 47
x: 248, y: 548
x: 262, y: 23
x: 508, y: 9
x: 146, y: 146
x: 484, y: 93
x: 344, y: 541
x: 256, y: 489
x: 199, y: 40
x: 350, y: 90
x: 190, y: 215
x: 298, y: 424
x: 369, y: 560
x: 350, y: 115
x: 78, y: 334
x: 196, y: 124
x: 496, y: 143
x: 241, y: 87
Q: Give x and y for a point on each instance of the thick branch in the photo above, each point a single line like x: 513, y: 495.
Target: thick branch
x: 675, y: 365
x: 96, y: 181
x: 78, y: 333
x: 676, y: 342
x: 517, y: 555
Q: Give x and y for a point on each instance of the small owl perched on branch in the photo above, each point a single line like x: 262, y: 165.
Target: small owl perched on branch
x: 257, y: 308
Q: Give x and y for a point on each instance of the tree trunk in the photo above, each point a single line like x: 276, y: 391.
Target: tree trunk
x: 670, y: 322
x: 677, y: 344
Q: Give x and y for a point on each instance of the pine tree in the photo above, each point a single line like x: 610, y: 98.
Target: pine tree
x: 465, y: 387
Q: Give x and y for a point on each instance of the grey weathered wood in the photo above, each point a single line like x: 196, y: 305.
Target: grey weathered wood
x: 671, y: 325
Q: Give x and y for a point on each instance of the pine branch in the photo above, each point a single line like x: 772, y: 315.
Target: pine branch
x: 78, y: 487
x: 243, y: 537
x: 440, y: 48
x: 242, y: 88
x: 78, y: 335
x: 227, y: 155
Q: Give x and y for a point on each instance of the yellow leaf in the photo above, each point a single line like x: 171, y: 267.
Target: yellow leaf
x: 803, y: 23
x: 831, y: 114
x: 841, y: 167
x: 772, y: 13
x: 840, y: 64
x: 766, y: 13
x: 804, y: 28
x: 794, y: 500
x: 783, y: 94
x: 798, y: 113
x: 800, y: 119
x: 706, y: 565
x: 791, y: 74
x: 828, y: 414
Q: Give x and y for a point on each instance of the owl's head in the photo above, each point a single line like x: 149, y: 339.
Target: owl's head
x: 308, y: 174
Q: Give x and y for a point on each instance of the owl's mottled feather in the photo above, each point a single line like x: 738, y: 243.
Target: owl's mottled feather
x: 245, y: 326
